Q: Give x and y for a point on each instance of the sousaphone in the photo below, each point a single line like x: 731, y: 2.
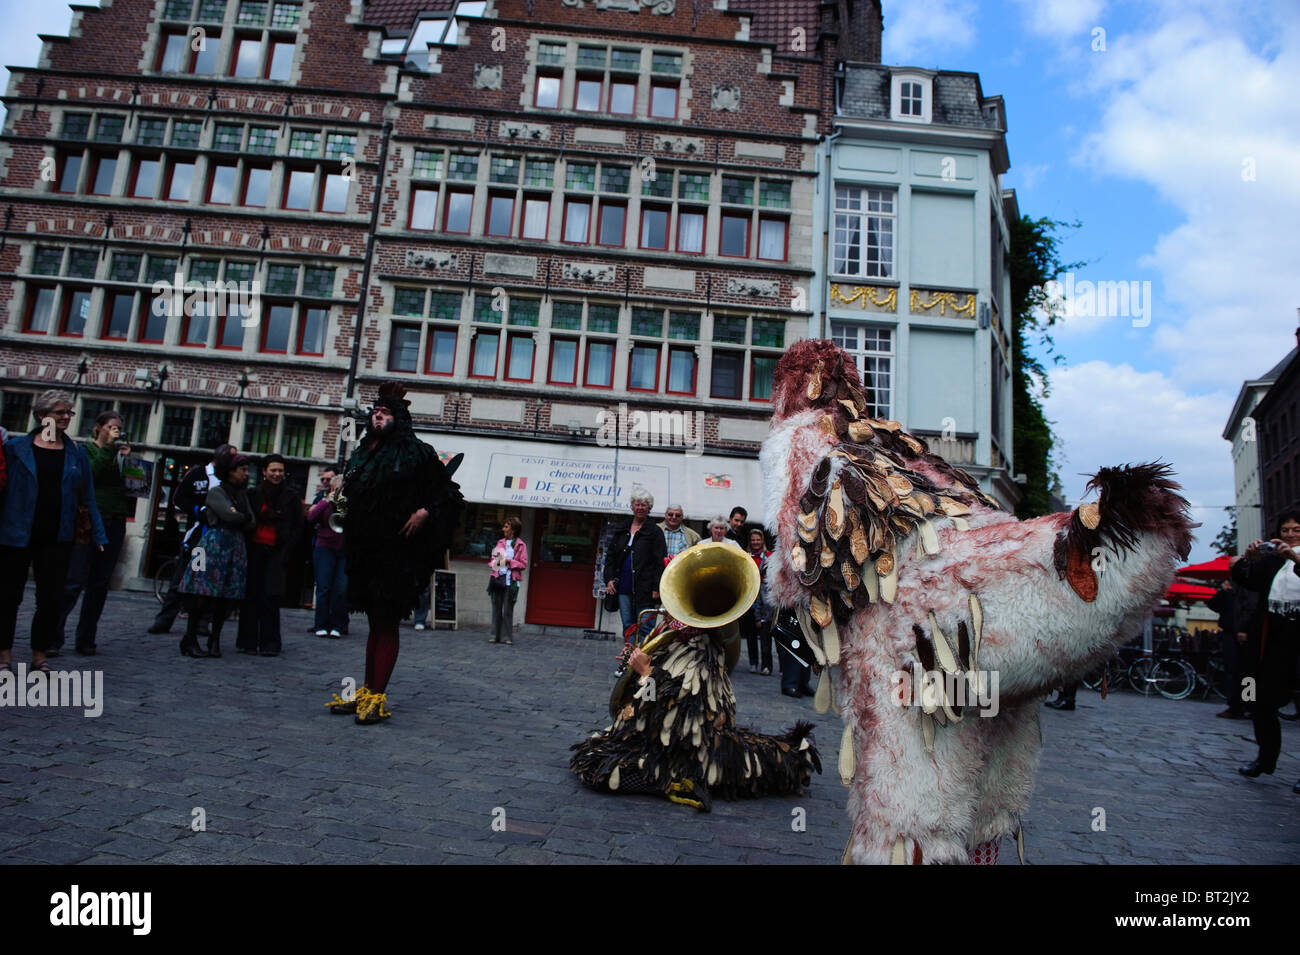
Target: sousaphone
x: 708, y: 586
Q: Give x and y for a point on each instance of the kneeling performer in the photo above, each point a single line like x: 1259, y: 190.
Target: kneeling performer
x: 674, y: 729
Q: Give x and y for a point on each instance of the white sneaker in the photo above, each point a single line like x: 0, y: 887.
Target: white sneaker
x: 335, y: 635
x: 753, y: 669
x: 419, y: 626
x: 322, y: 633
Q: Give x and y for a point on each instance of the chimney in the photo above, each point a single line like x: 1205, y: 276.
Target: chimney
x: 861, y: 26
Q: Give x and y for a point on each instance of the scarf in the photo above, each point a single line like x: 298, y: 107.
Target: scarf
x: 1284, y: 594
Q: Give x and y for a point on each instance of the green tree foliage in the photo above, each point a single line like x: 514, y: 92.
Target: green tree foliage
x: 1225, y: 544
x: 1032, y: 261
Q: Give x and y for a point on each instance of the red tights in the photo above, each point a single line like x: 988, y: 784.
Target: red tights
x: 381, y: 653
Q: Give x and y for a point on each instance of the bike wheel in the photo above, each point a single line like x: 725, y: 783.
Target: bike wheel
x: 1139, y: 675
x: 1093, y: 680
x: 1173, y: 679
x: 162, y: 579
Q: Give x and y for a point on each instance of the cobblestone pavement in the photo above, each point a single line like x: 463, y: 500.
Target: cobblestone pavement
x: 481, y: 733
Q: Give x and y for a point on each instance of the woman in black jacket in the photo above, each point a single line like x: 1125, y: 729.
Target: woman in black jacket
x: 635, y: 561
x: 1272, y: 569
x: 277, y: 507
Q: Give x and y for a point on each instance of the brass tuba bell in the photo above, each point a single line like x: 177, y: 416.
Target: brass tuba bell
x: 709, y: 586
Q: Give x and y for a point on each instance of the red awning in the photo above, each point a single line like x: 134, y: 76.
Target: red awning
x: 1188, y: 593
x: 1216, y: 569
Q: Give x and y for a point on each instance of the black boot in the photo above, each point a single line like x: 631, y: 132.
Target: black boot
x: 190, y: 646
x: 1255, y: 769
x: 214, y: 644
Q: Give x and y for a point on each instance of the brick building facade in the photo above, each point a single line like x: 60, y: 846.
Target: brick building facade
x: 543, y: 209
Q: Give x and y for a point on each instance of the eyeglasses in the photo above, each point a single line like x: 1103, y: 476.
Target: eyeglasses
x: 65, y: 413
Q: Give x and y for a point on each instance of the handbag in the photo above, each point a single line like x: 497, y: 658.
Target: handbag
x: 611, y: 603
x: 496, y: 582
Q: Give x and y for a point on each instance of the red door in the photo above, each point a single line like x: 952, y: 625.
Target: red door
x: 562, y: 569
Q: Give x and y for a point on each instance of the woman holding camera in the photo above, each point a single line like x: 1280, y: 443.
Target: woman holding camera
x: 1272, y: 569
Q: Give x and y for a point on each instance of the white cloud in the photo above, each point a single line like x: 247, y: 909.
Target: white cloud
x: 1187, y: 102
x: 920, y: 31
x: 1062, y: 18
x: 1106, y: 415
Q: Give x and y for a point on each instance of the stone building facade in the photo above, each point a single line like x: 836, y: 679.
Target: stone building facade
x: 580, y: 231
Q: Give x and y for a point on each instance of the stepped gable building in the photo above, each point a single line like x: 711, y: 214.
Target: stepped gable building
x: 581, y: 231
x: 169, y: 147
x: 914, y: 281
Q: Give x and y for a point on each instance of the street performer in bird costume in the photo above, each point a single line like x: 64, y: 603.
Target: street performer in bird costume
x: 402, y: 508
x: 677, y: 734
x: 943, y: 620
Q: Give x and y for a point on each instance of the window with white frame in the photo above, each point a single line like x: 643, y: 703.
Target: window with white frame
x: 865, y: 230
x: 872, y: 347
x: 911, y: 97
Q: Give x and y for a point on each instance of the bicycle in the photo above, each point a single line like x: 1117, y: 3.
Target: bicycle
x: 1115, y: 670
x: 1166, y: 673
x: 162, y: 579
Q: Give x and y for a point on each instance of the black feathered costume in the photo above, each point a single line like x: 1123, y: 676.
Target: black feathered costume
x: 682, y: 740
x: 392, y: 475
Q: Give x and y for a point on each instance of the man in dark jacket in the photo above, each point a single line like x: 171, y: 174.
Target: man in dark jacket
x: 277, y: 505
x: 188, y: 498
x: 638, y: 578
x: 1234, y: 606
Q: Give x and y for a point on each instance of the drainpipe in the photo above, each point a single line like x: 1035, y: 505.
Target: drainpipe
x: 381, y: 181
x: 824, y: 326
x: 370, y: 256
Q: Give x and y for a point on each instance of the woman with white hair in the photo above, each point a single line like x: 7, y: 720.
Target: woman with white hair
x: 49, y: 478
x: 634, y: 562
x: 718, y: 528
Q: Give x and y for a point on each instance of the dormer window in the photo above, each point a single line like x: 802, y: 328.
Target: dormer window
x: 912, y: 96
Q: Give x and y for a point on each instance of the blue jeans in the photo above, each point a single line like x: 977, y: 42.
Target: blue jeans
x: 627, y: 611
x: 331, y: 588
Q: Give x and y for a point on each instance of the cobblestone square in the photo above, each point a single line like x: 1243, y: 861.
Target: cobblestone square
x: 480, y: 734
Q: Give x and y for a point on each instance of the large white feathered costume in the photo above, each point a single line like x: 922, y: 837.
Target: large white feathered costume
x: 911, y: 579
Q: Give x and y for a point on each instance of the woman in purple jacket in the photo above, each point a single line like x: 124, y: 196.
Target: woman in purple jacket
x: 509, y: 560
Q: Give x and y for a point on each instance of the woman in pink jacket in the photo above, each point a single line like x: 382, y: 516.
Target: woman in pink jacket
x: 508, y: 562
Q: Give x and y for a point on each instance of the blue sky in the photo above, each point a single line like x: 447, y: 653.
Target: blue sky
x: 1173, y: 137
